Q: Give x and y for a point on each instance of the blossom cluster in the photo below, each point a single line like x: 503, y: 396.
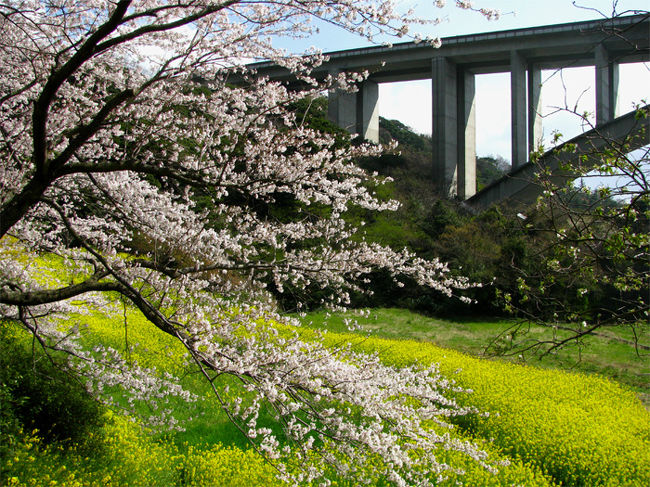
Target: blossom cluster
x: 118, y: 122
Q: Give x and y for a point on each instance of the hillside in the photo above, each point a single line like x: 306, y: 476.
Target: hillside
x: 552, y: 427
x: 431, y: 226
x: 416, y: 153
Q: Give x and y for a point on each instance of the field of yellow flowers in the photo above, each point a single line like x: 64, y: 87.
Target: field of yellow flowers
x: 555, y: 428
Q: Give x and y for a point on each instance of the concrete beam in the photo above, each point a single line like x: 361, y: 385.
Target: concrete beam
x: 520, y: 187
x: 606, y: 85
x: 466, y: 135
x: 519, y: 109
x: 550, y: 47
x: 445, y: 126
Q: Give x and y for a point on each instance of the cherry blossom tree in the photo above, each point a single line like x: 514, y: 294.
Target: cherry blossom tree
x: 118, y: 122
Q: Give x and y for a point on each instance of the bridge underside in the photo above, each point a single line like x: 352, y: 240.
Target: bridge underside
x: 452, y: 68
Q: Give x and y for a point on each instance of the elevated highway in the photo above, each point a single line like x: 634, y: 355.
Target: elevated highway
x: 523, y: 53
x: 521, y: 186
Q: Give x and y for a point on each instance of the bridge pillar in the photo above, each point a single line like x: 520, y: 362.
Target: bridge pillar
x: 606, y: 85
x: 368, y: 111
x: 444, y: 125
x: 454, y: 129
x: 526, y: 108
x: 535, y: 130
x: 466, y: 135
x: 342, y: 109
x: 357, y: 112
x: 519, y: 109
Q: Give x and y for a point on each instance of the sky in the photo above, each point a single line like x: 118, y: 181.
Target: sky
x: 409, y: 102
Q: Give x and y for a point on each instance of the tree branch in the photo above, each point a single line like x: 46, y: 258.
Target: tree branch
x: 42, y: 105
x: 44, y: 296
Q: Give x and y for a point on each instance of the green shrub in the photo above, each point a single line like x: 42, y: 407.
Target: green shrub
x: 39, y: 392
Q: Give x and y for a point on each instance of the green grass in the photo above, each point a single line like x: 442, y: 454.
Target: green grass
x: 556, y: 427
x: 608, y: 357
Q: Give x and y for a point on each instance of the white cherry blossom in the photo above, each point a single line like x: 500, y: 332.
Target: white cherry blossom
x: 118, y: 121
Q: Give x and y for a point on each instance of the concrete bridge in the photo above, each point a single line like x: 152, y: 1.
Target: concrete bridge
x: 523, y: 53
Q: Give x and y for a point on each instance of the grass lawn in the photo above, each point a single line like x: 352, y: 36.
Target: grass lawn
x: 606, y: 356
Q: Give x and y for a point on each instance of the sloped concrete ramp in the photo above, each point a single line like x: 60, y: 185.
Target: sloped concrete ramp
x: 520, y: 187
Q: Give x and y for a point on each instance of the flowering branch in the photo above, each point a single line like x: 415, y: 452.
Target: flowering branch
x: 195, y: 202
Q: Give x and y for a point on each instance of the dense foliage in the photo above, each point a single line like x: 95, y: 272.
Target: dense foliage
x: 42, y: 395
x: 578, y: 260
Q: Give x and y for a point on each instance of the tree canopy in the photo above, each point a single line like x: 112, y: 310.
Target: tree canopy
x: 127, y: 154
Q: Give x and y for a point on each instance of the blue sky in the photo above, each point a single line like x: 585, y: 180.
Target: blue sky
x: 515, y: 14
x: 404, y: 101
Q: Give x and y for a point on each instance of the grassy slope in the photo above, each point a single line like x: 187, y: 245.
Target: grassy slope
x: 608, y: 357
x: 205, y: 454
x: 580, y: 430
x: 577, y: 429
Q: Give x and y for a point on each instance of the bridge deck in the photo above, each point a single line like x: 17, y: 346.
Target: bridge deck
x: 549, y: 47
x: 524, y: 53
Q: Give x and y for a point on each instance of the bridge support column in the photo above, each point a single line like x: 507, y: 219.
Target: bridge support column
x: 466, y: 135
x: 356, y: 112
x: 535, y: 130
x: 606, y: 86
x: 519, y: 109
x: 445, y: 126
x: 342, y: 109
x: 454, y: 129
x: 368, y: 111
